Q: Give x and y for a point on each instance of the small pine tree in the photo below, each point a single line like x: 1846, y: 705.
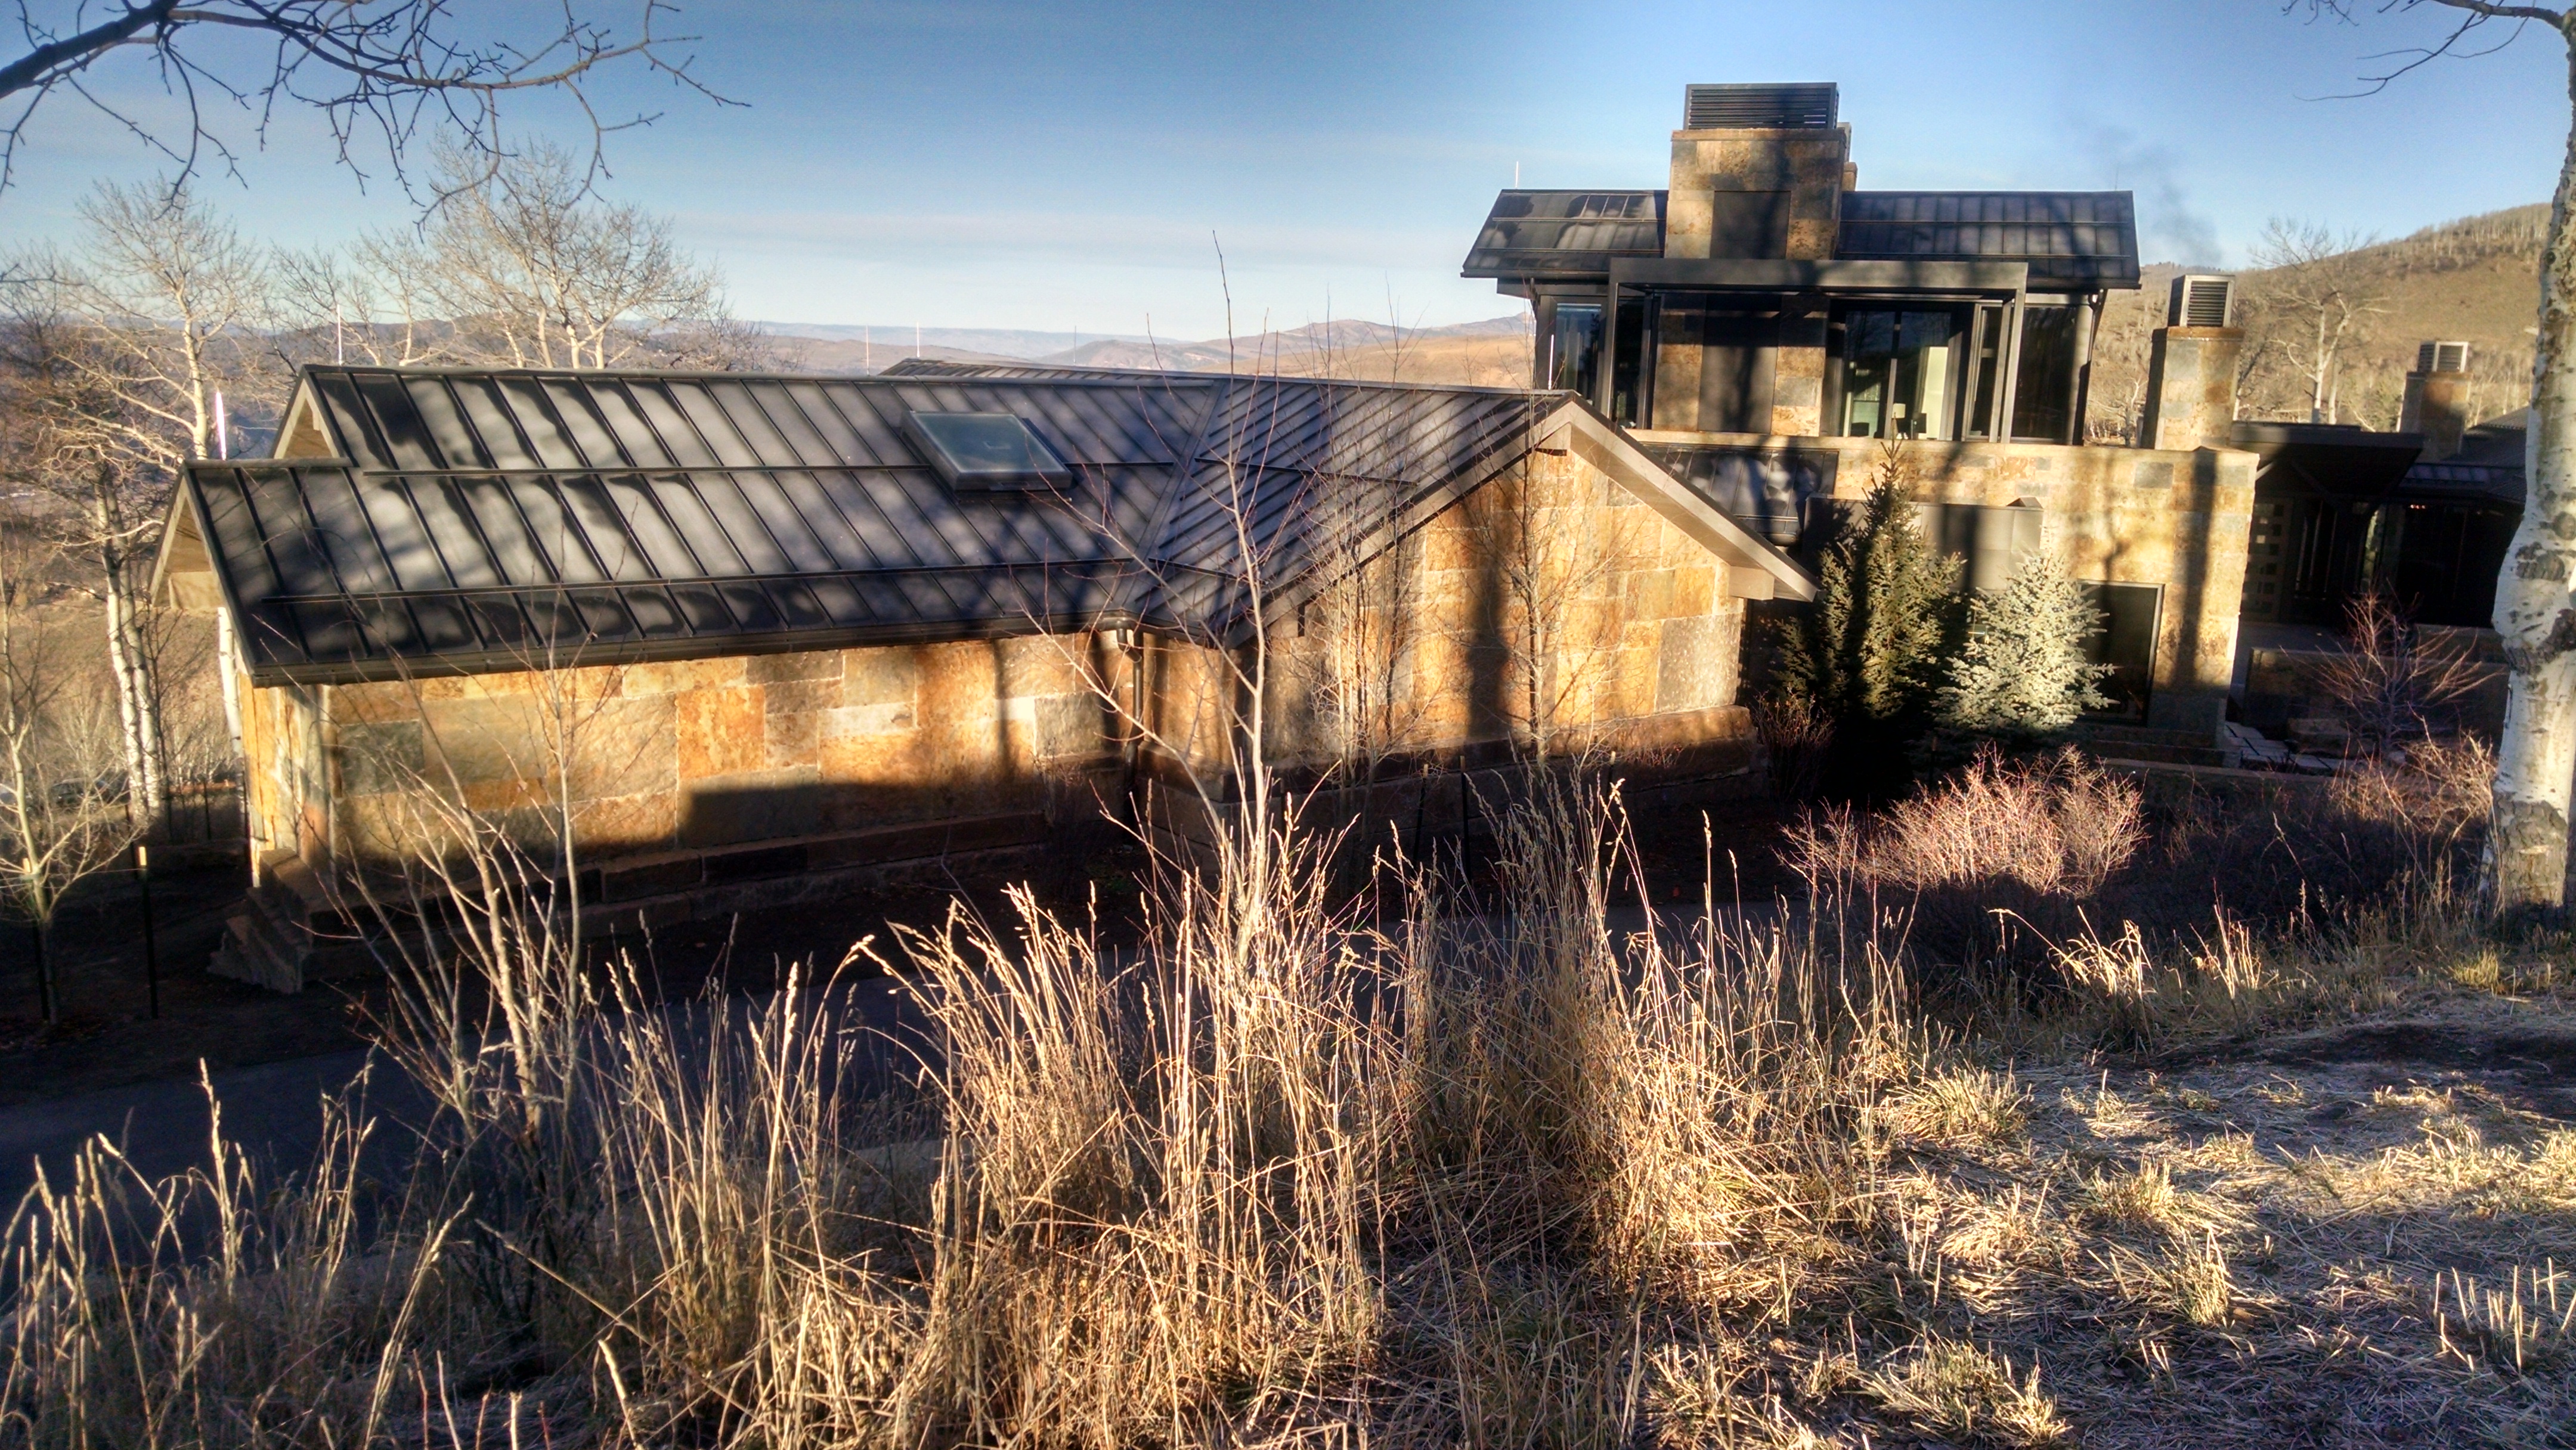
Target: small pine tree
x: 2023, y: 672
x: 1869, y: 652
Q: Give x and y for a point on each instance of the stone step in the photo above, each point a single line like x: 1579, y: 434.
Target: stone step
x: 2154, y: 754
x: 247, y: 954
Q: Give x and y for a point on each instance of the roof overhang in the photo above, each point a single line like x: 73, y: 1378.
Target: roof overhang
x: 2320, y: 458
x: 1775, y: 275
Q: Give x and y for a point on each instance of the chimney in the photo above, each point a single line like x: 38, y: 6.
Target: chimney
x: 2191, y: 366
x: 2437, y: 398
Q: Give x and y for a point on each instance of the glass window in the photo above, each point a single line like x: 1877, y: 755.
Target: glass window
x: 1574, y: 352
x: 1627, y: 371
x: 2126, y: 641
x: 1898, y: 373
x: 1986, y: 356
x: 987, y: 450
x: 2047, y: 381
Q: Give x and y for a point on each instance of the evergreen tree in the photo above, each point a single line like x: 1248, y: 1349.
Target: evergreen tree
x: 2023, y: 671
x: 1868, y: 654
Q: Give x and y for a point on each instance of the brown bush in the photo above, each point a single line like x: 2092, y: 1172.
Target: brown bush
x: 1983, y: 859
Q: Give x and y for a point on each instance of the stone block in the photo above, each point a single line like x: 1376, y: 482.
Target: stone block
x: 808, y: 665
x: 786, y: 697
x: 377, y: 759
x: 671, y: 677
x: 719, y: 732
x: 621, y: 747
x: 627, y: 823
x: 793, y: 739
x: 489, y: 738
x: 750, y: 805
x: 1043, y: 664
x: 1696, y: 664
x: 376, y: 703
x: 1070, y: 725
x: 875, y: 758
x: 885, y: 676
x: 894, y: 719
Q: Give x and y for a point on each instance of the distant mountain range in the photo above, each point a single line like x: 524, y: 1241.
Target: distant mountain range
x: 1491, y: 352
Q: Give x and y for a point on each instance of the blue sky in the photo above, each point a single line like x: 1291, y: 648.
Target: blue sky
x: 1063, y: 166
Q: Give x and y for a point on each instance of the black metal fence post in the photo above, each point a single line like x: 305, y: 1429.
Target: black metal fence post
x: 151, y: 945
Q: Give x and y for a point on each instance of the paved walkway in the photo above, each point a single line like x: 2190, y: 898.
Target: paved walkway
x: 274, y: 1111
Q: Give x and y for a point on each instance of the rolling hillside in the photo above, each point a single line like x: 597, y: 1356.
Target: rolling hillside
x: 2476, y: 279
x: 1493, y: 353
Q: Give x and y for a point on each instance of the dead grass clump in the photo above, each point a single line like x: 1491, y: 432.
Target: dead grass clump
x: 1955, y: 1389
x: 2525, y: 1324
x: 1964, y: 1107
x: 1279, y: 1174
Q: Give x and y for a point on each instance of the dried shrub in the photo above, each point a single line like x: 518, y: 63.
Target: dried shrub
x: 2390, y: 687
x: 1994, y: 861
x: 1796, y: 740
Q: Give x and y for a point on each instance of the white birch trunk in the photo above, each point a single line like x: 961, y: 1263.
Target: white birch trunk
x: 2536, y: 760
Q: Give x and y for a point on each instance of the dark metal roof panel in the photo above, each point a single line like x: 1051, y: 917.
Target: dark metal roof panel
x: 2069, y: 238
x: 481, y: 516
x: 1566, y: 233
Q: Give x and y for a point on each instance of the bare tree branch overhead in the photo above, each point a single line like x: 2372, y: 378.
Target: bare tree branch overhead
x: 381, y: 72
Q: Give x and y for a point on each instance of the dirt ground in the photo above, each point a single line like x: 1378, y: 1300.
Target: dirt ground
x: 2269, y: 1243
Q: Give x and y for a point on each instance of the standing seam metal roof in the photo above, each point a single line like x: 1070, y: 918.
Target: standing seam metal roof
x: 479, y: 520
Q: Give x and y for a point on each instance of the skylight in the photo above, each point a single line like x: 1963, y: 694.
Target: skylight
x: 987, y: 451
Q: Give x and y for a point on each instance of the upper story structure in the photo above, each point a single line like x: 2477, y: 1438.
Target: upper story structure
x: 1762, y: 292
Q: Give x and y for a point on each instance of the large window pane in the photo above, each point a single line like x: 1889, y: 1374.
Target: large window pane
x: 1628, y: 368
x: 1575, y: 351
x: 1987, y: 357
x: 2047, y: 381
x: 1898, y: 373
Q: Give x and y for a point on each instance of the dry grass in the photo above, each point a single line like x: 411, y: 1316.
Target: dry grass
x: 1284, y: 1176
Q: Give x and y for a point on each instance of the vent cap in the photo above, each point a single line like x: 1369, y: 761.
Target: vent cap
x: 1760, y: 108
x: 2442, y: 357
x: 2202, y: 299
x: 986, y: 452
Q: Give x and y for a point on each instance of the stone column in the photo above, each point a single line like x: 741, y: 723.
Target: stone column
x: 2437, y: 406
x: 2191, y: 387
x: 1798, y: 372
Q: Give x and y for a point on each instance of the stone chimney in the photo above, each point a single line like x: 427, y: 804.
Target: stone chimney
x: 2191, y: 367
x: 2437, y: 398
x: 1758, y: 171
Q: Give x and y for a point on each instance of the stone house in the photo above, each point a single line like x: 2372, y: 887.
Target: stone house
x: 764, y: 638
x: 1783, y: 340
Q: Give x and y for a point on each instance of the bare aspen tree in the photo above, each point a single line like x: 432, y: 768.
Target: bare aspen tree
x: 2318, y: 299
x: 59, y: 820
x: 2534, y: 611
x: 120, y: 354
x: 1558, y: 572
x: 520, y: 264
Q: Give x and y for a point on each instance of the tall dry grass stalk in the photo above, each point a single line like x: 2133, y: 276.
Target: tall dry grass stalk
x: 1273, y: 1168
x: 1277, y: 1173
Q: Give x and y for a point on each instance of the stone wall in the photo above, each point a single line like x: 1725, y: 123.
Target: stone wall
x: 703, y: 755
x: 286, y: 792
x: 2173, y: 518
x: 1549, y: 605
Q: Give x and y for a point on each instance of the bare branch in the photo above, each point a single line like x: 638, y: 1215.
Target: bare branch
x: 393, y: 68
x: 2475, y: 13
